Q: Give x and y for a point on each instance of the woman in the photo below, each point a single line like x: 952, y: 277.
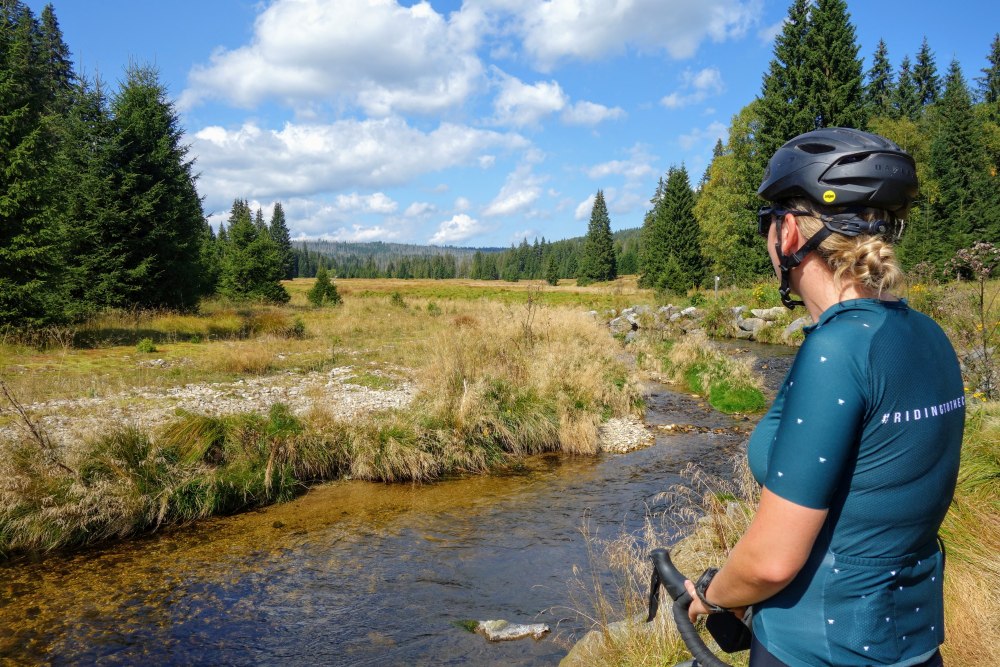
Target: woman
x: 858, y: 456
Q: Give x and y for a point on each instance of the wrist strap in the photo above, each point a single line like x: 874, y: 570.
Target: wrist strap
x: 701, y: 586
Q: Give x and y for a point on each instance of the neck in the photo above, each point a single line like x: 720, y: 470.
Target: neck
x: 816, y: 286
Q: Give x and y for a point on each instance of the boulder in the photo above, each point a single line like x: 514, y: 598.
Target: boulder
x: 786, y: 335
x: 501, y: 630
x: 621, y: 325
x: 691, y: 312
x: 769, y: 314
x: 752, y: 324
x: 738, y: 310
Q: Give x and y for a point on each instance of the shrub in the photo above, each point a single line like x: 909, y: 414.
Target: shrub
x: 323, y: 292
x: 146, y: 346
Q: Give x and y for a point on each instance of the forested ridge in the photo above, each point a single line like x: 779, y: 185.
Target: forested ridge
x: 99, y: 207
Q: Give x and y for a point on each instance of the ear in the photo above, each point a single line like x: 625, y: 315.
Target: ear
x: 791, y: 239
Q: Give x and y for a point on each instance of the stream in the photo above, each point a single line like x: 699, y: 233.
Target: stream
x: 357, y: 573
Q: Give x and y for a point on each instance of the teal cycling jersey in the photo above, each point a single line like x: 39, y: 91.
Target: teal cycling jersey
x: 867, y: 425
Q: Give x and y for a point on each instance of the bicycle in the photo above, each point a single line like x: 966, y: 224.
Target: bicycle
x: 729, y: 632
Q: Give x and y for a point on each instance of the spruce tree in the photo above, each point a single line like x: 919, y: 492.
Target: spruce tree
x: 966, y: 207
x: 925, y: 76
x: 906, y: 95
x: 97, y: 231
x: 251, y: 264
x: 784, y: 110
x: 552, y: 272
x: 155, y: 186
x: 324, y: 292
x: 989, y: 82
x: 598, y: 261
x: 654, y: 247
x: 683, y: 233
x: 280, y: 235
x: 879, y: 89
x: 29, y: 238
x: 58, y: 77
x: 833, y: 70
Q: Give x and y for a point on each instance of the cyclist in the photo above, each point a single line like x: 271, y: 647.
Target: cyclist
x: 858, y: 455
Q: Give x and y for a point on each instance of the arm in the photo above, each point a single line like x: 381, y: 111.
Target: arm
x: 767, y: 557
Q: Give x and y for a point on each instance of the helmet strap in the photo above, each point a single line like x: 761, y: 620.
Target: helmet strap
x: 788, y: 262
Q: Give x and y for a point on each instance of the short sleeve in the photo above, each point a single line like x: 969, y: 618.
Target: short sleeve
x: 821, y: 420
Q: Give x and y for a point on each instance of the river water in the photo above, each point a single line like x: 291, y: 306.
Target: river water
x: 355, y: 573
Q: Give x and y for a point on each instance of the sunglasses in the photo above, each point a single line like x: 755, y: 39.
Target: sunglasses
x: 766, y: 215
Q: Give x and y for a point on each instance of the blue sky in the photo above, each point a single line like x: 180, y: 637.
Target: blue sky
x: 466, y: 123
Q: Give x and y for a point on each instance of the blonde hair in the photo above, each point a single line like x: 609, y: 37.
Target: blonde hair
x: 867, y: 259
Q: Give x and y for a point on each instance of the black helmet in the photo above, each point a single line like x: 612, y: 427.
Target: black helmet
x: 840, y: 166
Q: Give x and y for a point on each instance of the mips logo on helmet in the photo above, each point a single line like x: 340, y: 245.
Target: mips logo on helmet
x: 829, y: 196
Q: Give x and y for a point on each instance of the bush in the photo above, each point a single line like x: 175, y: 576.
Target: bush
x: 323, y: 292
x: 146, y: 346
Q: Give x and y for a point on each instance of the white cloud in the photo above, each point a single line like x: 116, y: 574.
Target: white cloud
x: 696, y: 87
x: 708, y: 135
x: 487, y: 161
x: 419, y: 209
x: 378, y: 55
x: 307, y: 159
x: 520, y: 104
x: 521, y: 189
x: 459, y: 228
x: 767, y: 34
x: 590, y: 113
x: 524, y: 235
x: 584, y: 208
x: 636, y: 167
x: 374, y: 203
x: 462, y: 204
x: 588, y: 29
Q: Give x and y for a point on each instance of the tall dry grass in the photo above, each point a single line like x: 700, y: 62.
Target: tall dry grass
x: 496, y: 383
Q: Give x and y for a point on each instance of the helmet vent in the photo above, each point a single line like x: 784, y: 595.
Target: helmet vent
x: 851, y: 159
x: 815, y: 148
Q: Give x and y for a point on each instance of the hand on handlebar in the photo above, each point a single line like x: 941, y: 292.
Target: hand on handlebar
x: 697, y: 608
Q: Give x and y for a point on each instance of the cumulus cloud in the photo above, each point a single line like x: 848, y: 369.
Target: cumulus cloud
x: 584, y: 208
x: 520, y: 104
x: 459, y: 228
x: 588, y: 29
x: 696, y: 87
x: 307, y: 159
x: 707, y: 135
x: 379, y: 55
x: 590, y: 113
x: 521, y: 189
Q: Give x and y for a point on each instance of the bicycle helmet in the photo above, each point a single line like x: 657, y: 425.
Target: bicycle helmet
x: 836, y: 167
x: 839, y: 166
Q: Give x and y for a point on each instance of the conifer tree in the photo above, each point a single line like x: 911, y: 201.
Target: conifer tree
x: 280, y: 235
x: 96, y: 231
x: 683, y: 233
x: 906, y: 95
x: 989, y: 82
x: 925, y: 75
x: 833, y: 71
x: 155, y: 186
x: 552, y: 272
x: 784, y: 111
x: 57, y: 67
x: 966, y: 207
x: 598, y: 261
x: 879, y: 89
x: 29, y: 239
x: 324, y: 292
x: 654, y: 247
x: 251, y: 265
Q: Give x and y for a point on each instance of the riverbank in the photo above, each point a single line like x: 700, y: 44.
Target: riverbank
x: 434, y: 390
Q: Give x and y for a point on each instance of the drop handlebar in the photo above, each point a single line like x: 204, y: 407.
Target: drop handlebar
x: 667, y: 575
